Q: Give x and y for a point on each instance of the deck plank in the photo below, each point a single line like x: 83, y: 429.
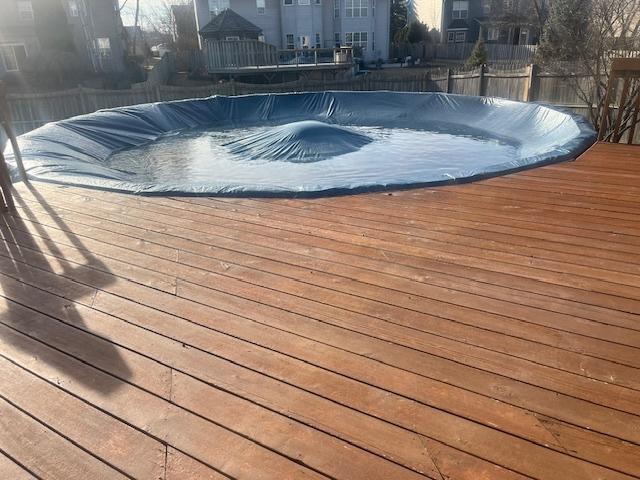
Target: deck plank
x: 44, y: 452
x: 10, y: 469
x: 473, y: 331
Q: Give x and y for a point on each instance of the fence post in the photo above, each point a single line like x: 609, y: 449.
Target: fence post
x: 530, y: 87
x: 83, y: 100
x: 233, y: 86
x: 5, y: 121
x: 6, y: 200
x: 482, y: 87
x: 449, y: 80
x: 158, y: 95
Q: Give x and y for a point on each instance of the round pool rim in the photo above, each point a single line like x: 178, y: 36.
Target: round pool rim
x: 70, y: 152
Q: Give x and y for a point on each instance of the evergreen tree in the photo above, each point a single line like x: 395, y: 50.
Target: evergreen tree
x: 398, y: 20
x: 417, y: 32
x: 566, y: 31
x: 478, y: 56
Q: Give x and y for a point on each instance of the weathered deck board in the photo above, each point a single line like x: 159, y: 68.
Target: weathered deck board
x: 488, y: 330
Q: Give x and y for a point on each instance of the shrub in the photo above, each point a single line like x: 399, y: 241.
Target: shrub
x: 478, y: 56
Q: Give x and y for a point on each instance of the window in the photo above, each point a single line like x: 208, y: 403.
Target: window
x: 12, y: 56
x: 317, y: 2
x: 460, y: 9
x: 318, y: 43
x: 336, y: 8
x: 303, y: 2
x: 103, y: 45
x: 524, y: 36
x: 493, y: 35
x: 260, y: 5
x: 356, y: 39
x: 25, y: 10
x: 336, y: 39
x: 356, y: 8
x: 216, y: 6
x: 287, y: 2
x: 486, y: 7
x: 232, y: 38
x: 304, y: 41
x: 457, y: 36
x: 261, y: 38
x: 73, y: 8
x: 289, y: 41
x: 508, y: 3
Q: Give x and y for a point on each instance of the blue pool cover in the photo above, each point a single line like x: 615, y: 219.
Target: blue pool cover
x: 301, y: 143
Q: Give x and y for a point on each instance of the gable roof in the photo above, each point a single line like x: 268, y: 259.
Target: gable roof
x: 229, y: 21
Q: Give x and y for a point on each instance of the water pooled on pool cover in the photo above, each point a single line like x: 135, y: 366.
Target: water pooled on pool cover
x: 253, y: 155
x: 329, y: 142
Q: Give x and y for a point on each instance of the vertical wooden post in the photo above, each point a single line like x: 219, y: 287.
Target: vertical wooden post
x: 83, y: 102
x: 482, y: 87
x: 621, y: 110
x: 158, y: 94
x: 448, y: 80
x: 604, y: 121
x: 5, y: 121
x: 6, y: 200
x: 530, y: 87
x: 634, y: 120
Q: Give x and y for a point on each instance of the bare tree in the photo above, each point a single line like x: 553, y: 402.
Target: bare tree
x: 160, y: 18
x: 580, y: 39
x: 135, y: 27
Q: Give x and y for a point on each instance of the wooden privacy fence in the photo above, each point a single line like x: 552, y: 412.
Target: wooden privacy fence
x: 30, y: 111
x: 496, y: 52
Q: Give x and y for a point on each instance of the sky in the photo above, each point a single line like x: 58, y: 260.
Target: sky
x: 147, y: 7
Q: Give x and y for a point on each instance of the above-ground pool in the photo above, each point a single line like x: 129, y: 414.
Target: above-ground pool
x: 301, y: 143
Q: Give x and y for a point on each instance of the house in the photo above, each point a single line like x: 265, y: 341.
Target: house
x: 513, y: 22
x: 18, y: 37
x: 97, y: 33
x: 289, y: 24
x: 94, y: 28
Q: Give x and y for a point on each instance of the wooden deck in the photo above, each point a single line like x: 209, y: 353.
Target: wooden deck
x: 481, y: 331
